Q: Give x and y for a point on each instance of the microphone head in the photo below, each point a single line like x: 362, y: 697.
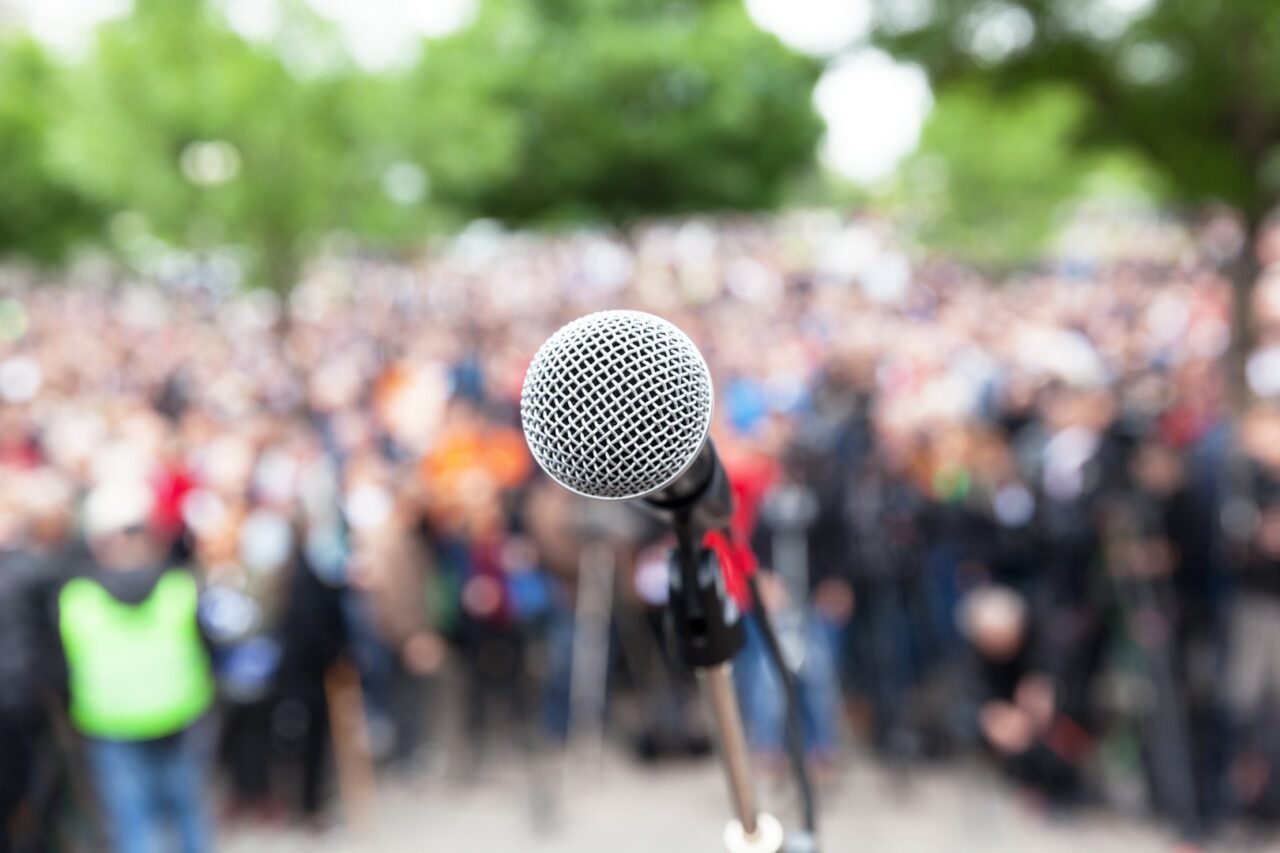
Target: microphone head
x: 616, y: 404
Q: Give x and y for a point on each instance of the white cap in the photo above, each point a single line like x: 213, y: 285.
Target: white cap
x: 992, y: 607
x: 115, y: 506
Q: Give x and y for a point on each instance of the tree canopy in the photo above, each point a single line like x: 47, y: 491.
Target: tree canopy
x: 538, y: 111
x: 41, y: 212
x: 994, y: 174
x: 628, y: 108
x: 1185, y: 82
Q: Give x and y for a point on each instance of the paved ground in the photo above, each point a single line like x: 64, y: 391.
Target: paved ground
x: 612, y: 806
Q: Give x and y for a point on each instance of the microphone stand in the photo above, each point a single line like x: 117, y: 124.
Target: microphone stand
x: 706, y: 627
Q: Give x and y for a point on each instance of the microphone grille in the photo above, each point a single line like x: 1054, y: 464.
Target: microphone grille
x: 616, y: 404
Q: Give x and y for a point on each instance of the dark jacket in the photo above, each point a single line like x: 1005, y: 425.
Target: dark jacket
x: 31, y: 673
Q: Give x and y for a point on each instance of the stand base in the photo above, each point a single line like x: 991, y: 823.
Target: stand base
x: 768, y: 837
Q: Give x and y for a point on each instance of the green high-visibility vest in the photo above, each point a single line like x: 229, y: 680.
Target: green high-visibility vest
x: 137, y: 671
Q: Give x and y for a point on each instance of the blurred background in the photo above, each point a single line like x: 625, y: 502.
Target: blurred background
x: 991, y: 296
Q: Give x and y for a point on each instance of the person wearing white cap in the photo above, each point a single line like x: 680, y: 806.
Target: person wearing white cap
x: 139, y: 677
x: 1016, y: 708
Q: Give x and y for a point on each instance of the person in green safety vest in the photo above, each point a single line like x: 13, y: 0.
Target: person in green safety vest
x: 139, y: 677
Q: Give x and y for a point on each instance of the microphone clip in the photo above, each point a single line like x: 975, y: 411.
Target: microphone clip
x: 704, y: 621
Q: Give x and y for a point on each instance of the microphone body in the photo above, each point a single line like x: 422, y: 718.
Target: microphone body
x: 702, y: 492
x: 617, y: 406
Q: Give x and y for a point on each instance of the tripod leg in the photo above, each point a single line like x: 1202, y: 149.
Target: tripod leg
x: 589, y: 664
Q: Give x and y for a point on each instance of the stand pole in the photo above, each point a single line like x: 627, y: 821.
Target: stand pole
x: 706, y: 627
x: 717, y: 681
x: 751, y: 830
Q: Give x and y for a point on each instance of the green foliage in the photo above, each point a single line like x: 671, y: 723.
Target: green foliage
x: 992, y: 173
x: 1189, y: 84
x: 628, y: 108
x: 444, y: 117
x: 40, y: 213
x: 171, y: 81
x: 176, y: 127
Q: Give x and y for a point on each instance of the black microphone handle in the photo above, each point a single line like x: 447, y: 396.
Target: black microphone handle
x: 701, y: 493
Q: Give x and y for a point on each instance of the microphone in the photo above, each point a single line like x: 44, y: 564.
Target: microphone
x: 617, y: 405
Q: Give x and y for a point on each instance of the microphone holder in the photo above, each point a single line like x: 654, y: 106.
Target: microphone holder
x: 706, y: 630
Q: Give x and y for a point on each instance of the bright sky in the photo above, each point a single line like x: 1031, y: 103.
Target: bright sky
x: 874, y: 106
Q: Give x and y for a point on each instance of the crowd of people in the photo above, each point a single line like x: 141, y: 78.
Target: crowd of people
x: 1014, y: 520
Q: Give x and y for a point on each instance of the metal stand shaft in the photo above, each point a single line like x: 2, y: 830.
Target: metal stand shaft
x: 717, y: 681
x: 751, y: 830
x: 707, y: 632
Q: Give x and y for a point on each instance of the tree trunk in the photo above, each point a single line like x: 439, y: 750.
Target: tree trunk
x: 1243, y: 272
x: 278, y: 262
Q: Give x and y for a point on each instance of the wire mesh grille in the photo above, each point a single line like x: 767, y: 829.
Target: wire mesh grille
x: 616, y: 404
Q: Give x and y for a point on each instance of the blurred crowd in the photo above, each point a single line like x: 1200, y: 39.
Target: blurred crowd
x: 1015, y: 522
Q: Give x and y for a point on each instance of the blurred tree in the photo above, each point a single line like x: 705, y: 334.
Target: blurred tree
x: 431, y: 136
x: 218, y: 141
x: 208, y: 139
x: 41, y: 214
x: 540, y: 110
x: 1187, y: 83
x: 992, y: 173
x: 628, y: 107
